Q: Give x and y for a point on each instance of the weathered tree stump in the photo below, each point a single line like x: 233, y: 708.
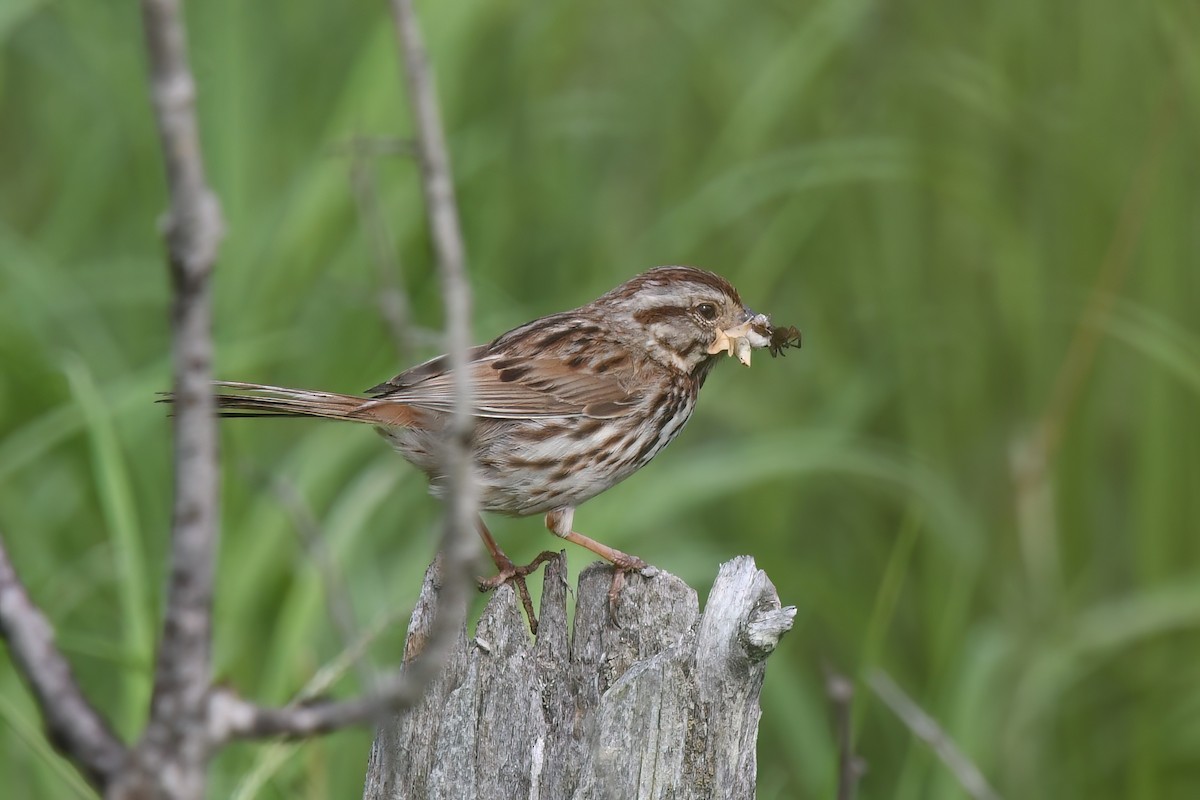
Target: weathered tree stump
x: 663, y: 704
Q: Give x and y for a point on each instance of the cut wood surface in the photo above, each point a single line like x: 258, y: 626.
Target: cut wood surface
x: 663, y: 702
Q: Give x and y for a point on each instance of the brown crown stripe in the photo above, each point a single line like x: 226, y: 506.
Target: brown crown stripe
x: 684, y: 275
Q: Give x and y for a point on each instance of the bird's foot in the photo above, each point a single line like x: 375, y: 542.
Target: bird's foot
x: 511, y: 573
x: 622, y: 566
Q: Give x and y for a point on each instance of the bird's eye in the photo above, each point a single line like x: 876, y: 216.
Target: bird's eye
x: 707, y: 310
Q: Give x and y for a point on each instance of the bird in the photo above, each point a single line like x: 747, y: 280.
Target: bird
x: 565, y: 406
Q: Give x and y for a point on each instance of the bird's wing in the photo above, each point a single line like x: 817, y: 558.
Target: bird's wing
x: 511, y: 388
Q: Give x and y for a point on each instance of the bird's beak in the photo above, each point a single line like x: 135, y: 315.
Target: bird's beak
x: 741, y: 339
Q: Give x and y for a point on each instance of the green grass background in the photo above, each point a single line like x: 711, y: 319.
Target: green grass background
x: 935, y: 192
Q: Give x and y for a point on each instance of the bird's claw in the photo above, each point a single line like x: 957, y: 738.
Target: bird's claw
x: 511, y: 573
x: 620, y: 570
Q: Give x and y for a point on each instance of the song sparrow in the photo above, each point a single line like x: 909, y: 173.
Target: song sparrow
x: 567, y: 405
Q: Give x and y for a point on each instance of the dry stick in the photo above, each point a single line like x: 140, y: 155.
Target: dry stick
x: 391, y: 298
x: 187, y: 718
x: 925, y: 728
x: 1031, y: 458
x: 446, y: 232
x: 232, y: 717
x: 337, y: 596
x: 840, y: 691
x: 352, y: 655
x: 394, y: 305
x: 235, y: 718
x: 373, y: 147
x: 172, y: 754
x: 73, y: 725
x: 1081, y: 353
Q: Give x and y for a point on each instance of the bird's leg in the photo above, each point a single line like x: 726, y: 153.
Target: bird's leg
x: 559, y: 522
x: 510, y: 572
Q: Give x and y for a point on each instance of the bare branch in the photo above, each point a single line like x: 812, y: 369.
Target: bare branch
x: 393, y: 301
x: 840, y: 691
x: 232, y: 717
x: 337, y: 596
x: 1118, y: 259
x: 458, y: 543
x: 1032, y: 456
x: 192, y: 229
x: 436, y: 181
x: 368, y: 147
x: 354, y: 653
x: 273, y: 757
x: 73, y: 725
x: 926, y: 728
x: 394, y: 306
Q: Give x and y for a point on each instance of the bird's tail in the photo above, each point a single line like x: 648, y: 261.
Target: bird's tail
x: 261, y: 400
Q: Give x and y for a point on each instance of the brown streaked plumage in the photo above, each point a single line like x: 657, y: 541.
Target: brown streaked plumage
x: 567, y: 405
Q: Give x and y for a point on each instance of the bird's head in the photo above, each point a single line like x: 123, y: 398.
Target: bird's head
x: 683, y: 317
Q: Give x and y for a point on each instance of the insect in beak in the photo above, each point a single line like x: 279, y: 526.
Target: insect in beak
x: 741, y: 339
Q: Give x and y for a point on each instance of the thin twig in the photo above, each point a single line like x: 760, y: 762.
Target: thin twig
x: 321, y: 681
x: 840, y: 691
x: 188, y: 717
x: 337, y: 596
x: 232, y: 717
x: 926, y: 728
x: 394, y: 305
x: 393, y: 301
x: 373, y: 147
x: 1081, y: 352
x: 172, y: 753
x: 73, y: 725
x: 353, y: 653
x: 1032, y: 457
x: 446, y: 231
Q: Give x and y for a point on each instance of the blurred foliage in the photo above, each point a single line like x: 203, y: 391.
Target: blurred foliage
x: 936, y: 193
